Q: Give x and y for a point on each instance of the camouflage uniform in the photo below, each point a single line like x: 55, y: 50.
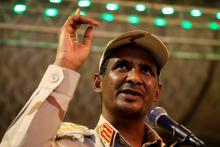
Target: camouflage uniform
x: 40, y: 121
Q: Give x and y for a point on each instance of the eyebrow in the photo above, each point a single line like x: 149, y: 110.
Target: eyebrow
x: 126, y: 61
x: 121, y: 60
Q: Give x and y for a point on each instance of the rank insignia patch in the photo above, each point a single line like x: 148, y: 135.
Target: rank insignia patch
x: 106, y: 134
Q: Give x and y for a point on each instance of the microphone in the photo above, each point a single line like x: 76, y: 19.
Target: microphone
x: 158, y: 117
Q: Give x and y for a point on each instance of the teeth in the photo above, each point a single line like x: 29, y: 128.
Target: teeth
x: 131, y: 92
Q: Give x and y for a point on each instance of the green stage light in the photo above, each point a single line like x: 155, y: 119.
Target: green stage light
x: 112, y: 6
x: 160, y: 22
x: 167, y: 10
x: 140, y: 7
x: 51, y: 12
x: 195, y: 13
x: 213, y: 26
x: 83, y: 13
x: 133, y: 19
x: 218, y: 15
x: 84, y: 3
x: 107, y: 17
x: 20, y: 8
x: 56, y: 1
x: 186, y: 25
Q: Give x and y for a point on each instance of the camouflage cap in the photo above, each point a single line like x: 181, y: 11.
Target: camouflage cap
x: 146, y: 40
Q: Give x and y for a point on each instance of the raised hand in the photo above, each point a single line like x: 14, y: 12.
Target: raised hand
x: 70, y: 52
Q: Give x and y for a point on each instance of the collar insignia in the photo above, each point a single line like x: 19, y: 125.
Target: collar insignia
x: 106, y: 134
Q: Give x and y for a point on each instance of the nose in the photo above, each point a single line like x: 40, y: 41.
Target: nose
x: 134, y: 77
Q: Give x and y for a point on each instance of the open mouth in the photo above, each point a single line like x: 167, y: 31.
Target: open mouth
x: 131, y: 92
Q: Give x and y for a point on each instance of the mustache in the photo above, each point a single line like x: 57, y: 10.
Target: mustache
x: 132, y: 89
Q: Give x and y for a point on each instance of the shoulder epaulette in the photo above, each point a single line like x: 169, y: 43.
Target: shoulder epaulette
x: 72, y: 131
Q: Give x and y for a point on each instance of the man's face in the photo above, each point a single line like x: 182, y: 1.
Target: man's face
x: 130, y: 83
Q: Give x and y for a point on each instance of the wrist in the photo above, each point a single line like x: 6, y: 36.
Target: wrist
x: 65, y: 64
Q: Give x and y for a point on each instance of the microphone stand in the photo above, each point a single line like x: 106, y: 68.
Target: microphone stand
x: 184, y: 136
x: 158, y: 117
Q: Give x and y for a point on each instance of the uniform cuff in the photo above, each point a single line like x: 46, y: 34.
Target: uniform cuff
x: 61, y: 80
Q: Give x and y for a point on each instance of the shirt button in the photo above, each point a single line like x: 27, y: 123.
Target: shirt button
x: 54, y: 78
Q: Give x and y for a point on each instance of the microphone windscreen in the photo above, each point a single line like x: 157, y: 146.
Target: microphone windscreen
x: 153, y: 115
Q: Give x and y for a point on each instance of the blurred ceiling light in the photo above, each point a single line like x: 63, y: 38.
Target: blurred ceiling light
x: 19, y: 8
x: 133, y: 19
x: 160, y: 22
x: 112, y: 6
x: 186, y: 24
x: 213, y: 26
x: 218, y: 15
x: 140, y: 7
x: 167, y: 10
x: 56, y: 1
x: 195, y: 13
x: 84, y: 3
x: 51, y: 12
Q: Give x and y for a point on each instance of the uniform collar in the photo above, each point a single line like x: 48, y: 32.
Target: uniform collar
x: 109, y: 134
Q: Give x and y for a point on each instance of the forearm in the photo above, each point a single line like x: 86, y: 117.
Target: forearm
x: 40, y: 119
x: 37, y: 123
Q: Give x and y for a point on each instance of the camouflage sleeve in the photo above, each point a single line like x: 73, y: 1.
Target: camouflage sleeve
x: 37, y: 123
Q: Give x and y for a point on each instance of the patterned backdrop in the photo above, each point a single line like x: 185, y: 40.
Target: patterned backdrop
x: 190, y: 90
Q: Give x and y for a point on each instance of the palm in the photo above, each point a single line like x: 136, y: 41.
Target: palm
x: 79, y: 53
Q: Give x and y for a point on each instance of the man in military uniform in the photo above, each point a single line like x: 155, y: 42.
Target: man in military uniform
x: 128, y: 83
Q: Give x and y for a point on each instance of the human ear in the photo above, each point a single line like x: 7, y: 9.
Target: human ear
x: 157, y: 94
x: 97, y: 83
